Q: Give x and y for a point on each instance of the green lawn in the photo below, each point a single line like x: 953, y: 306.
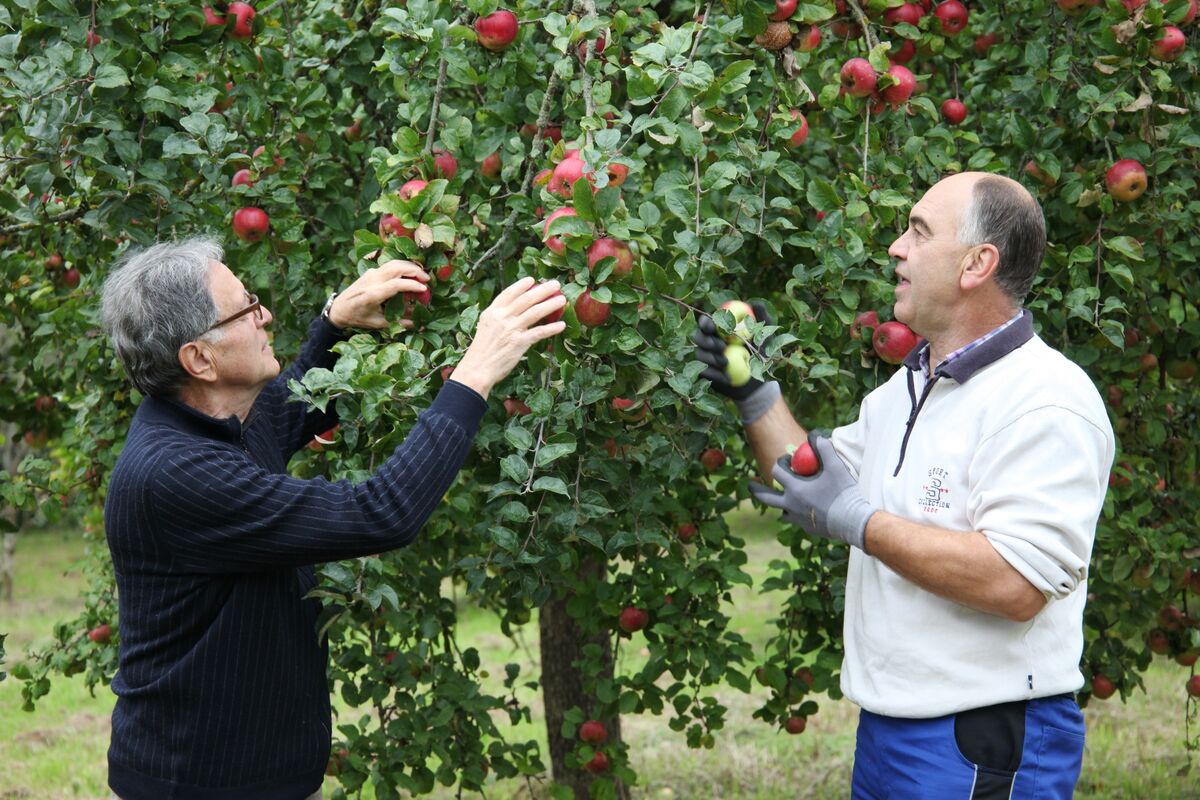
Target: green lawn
x: 1135, y: 750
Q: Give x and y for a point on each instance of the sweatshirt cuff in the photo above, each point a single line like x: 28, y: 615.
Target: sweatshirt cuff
x: 462, y: 404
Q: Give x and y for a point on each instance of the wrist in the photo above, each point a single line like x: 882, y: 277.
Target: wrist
x: 758, y: 402
x: 331, y: 313
x: 472, y: 378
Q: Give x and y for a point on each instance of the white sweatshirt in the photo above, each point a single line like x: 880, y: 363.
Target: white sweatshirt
x: 1018, y: 447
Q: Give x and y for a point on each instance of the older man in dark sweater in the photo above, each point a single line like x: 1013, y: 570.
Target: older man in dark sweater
x: 221, y: 687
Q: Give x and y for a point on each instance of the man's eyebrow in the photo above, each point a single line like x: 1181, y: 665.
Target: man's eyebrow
x: 917, y: 221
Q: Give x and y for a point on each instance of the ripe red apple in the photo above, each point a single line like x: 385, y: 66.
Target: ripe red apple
x: 43, y: 404
x: 53, y: 261
x: 597, y: 49
x: 904, y: 53
x: 1170, y: 46
x: 592, y: 313
x: 490, y: 167
x: 353, y: 131
x: 808, y: 39
x: 556, y: 244
x: 443, y: 272
x: 858, y: 77
x: 390, y: 226
x: 1190, y: 14
x: 412, y: 188
x: 598, y: 764
x: 1102, y: 687
x: 1126, y: 180
x: 445, y: 165
x: 593, y: 732
x: 243, y: 177
x: 1193, y: 686
x: 562, y: 179
x: 954, y: 111
x: 212, y: 19
x: 71, y: 278
x: 1038, y: 174
x: 909, y: 13
x: 804, y: 461
x: 898, y: 93
x: 984, y: 43
x: 250, y: 224
x: 516, y: 408
x: 795, y: 725
x: 783, y: 10
x: 100, y: 634
x: 633, y: 619
x: 801, y: 135
x: 712, y: 459
x: 686, y: 531
x: 276, y: 159
x: 92, y: 39
x: 893, y: 341
x: 497, y: 30
x: 1172, y: 618
x: 953, y: 16
x: 866, y: 319
x: 243, y: 20
x: 1188, y: 658
x: 602, y: 248
x: 617, y: 173
x: 1158, y: 641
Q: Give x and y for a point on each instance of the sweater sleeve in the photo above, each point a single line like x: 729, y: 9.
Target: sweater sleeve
x: 295, y: 424
x: 221, y: 513
x: 1037, y: 488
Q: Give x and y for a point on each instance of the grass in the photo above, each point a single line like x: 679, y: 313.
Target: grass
x: 1135, y: 749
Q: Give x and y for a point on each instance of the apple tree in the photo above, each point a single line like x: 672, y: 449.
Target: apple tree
x: 658, y: 161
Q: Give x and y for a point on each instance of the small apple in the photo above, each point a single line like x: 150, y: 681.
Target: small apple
x: 597, y: 49
x: 92, y: 39
x: 984, y: 43
x: 100, y: 634
x: 858, y: 77
x: 1170, y: 45
x: 1193, y: 686
x: 783, y: 10
x: 353, y: 131
x: 71, y: 278
x: 617, y: 173
x: 556, y: 244
x: 243, y: 177
x: 243, y: 20
x: 516, y: 408
x: 589, y: 312
x: 801, y: 135
x: 954, y: 111
x: 686, y: 531
x: 898, y: 93
x: 1158, y: 641
x: 250, y: 224
x: 1038, y: 174
x: 632, y: 619
x: 497, y: 30
x: 631, y: 409
x: 1181, y: 369
x: 893, y: 341
x: 212, y: 19
x: 737, y: 365
x: 866, y: 319
x: 909, y: 13
x: 490, y: 167
x: 712, y: 459
x: 593, y: 732
x: 904, y: 53
x: 390, y: 226
x: 795, y: 725
x: 777, y: 36
x: 53, y: 261
x: 412, y: 188
x: 741, y: 312
x: 556, y: 315
x: 602, y: 248
x: 804, y: 461
x: 808, y: 39
x: 445, y: 165
x: 598, y: 764
x: 562, y: 179
x: 953, y: 17
x: 1126, y: 180
x: 1102, y: 687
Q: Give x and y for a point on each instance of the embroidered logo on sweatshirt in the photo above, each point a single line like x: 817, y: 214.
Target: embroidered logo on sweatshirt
x: 935, y: 495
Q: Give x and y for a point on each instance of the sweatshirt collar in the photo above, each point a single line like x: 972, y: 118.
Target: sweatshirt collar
x: 976, y: 358
x: 179, y: 415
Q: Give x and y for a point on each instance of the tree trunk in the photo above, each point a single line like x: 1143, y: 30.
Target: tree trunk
x: 8, y: 554
x: 562, y: 646
x: 10, y: 457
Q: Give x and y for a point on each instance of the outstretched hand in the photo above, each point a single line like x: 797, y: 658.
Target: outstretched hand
x: 361, y: 305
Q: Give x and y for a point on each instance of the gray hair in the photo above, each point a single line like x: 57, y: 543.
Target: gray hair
x: 155, y: 301
x: 1003, y: 214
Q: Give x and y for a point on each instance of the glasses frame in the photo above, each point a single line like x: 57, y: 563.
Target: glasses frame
x: 255, y: 307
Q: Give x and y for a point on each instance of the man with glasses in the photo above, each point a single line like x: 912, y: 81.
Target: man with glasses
x: 222, y: 681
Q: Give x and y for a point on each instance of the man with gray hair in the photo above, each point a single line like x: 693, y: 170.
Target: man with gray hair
x: 969, y: 489
x: 221, y: 689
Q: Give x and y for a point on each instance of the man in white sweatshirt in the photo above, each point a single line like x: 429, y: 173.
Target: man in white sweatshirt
x: 968, y: 488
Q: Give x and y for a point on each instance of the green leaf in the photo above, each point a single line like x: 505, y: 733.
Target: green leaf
x: 110, y: 76
x: 822, y: 196
x: 548, y: 483
x: 515, y: 467
x: 552, y: 452
x: 180, y: 144
x: 1126, y: 246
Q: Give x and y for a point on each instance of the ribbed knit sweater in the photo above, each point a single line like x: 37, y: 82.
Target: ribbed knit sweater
x: 221, y: 686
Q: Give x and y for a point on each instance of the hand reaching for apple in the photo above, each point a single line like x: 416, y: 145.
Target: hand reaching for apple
x: 728, y: 361
x: 506, y: 329
x: 361, y: 305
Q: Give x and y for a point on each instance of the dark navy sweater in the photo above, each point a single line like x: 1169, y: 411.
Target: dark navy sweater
x: 221, y: 688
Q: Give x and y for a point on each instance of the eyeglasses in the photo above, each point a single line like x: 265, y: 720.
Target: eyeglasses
x: 254, y: 308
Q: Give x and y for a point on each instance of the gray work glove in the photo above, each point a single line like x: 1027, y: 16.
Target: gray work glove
x: 828, y: 504
x: 710, y: 350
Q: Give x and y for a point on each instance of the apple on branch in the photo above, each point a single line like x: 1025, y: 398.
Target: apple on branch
x: 893, y: 341
x: 497, y: 30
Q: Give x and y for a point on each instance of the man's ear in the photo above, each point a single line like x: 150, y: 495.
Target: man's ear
x: 979, y: 266
x: 196, y: 358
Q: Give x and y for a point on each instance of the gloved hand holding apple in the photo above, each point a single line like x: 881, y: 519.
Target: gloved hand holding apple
x: 728, y: 359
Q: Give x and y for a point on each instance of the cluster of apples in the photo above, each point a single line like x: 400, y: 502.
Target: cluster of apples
x: 242, y: 15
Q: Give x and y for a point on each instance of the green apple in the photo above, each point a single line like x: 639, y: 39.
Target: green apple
x: 738, y: 366
x: 741, y: 311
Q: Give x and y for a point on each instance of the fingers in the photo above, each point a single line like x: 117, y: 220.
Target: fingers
x: 706, y: 324
x: 712, y: 359
x: 540, y: 332
x: 707, y: 342
x: 535, y: 295
x: 400, y: 268
x: 782, y: 472
x: 760, y: 312
x: 512, y: 292
x: 766, y: 496
x: 539, y: 311
x: 715, y: 376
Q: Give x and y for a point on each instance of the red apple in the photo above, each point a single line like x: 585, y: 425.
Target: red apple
x: 592, y: 313
x: 1170, y: 46
x: 593, y: 732
x: 598, y: 764
x: 243, y: 177
x: 243, y: 20
x: 53, y: 261
x: 320, y: 441
x: 542, y: 177
x: 92, y: 39
x: 553, y: 316
x: 909, y: 13
x: 445, y: 165
x: 1190, y: 14
x: 686, y: 531
x: 1038, y: 174
x: 412, y: 188
x: 1193, y: 686
x: 712, y: 459
x: 100, y: 634
x: 276, y: 159
x: 390, y: 226
x: 984, y: 43
x: 43, y: 404
x: 71, y: 278
x: 953, y: 16
x: 866, y: 319
x: 954, y: 111
x: 783, y: 10
x: 631, y: 409
x: 1126, y: 180
x: 801, y: 135
x: 597, y: 49
x: 562, y: 180
x: 617, y: 173
x: 602, y: 248
x: 497, y: 30
x: 632, y: 619
x: 858, y: 77
x: 353, y: 131
x: 443, y: 272
x: 795, y: 725
x: 893, y: 341
x: 808, y: 39
x: 1158, y: 641
x: 556, y: 244
x: 250, y: 224
x: 515, y: 408
x: 804, y: 461
x: 898, y: 93
x: 1102, y: 687
x: 904, y: 53
x: 213, y: 19
x: 490, y: 167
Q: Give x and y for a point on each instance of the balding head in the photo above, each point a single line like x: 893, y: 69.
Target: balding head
x: 999, y: 211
